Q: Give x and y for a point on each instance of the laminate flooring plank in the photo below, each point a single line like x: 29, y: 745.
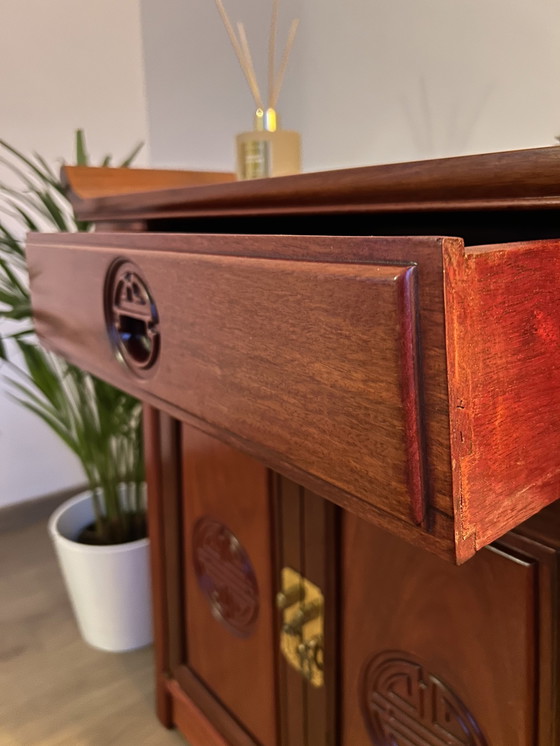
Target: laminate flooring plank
x: 54, y: 689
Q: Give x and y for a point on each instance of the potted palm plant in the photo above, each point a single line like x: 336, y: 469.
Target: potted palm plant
x: 99, y: 536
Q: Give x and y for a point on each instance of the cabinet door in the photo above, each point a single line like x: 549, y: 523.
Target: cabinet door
x: 228, y: 631
x: 224, y: 530
x: 434, y: 655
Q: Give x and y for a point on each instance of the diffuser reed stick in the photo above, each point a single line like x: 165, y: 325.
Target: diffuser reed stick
x: 242, y: 50
x: 272, y: 47
x: 267, y: 150
x: 231, y: 33
x: 249, y: 68
x: 279, y: 79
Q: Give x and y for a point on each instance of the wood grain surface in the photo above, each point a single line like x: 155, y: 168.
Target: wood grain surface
x: 475, y: 628
x: 292, y: 688
x: 307, y: 530
x: 226, y: 486
x: 504, y: 359
x: 162, y: 455
x: 284, y: 323
x: 526, y: 179
x: 321, y: 533
x: 85, y: 184
x: 409, y: 380
x: 311, y: 352
x: 155, y: 487
x: 191, y: 721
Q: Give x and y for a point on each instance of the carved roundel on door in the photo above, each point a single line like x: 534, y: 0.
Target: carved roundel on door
x: 131, y: 317
x: 226, y: 576
x: 404, y: 704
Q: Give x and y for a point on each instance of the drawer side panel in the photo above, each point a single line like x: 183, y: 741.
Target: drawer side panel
x: 504, y: 361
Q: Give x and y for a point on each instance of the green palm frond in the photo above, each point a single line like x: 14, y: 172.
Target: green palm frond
x: 29, y: 221
x: 45, y: 175
x: 132, y: 156
x: 9, y: 243
x: 100, y: 424
x: 82, y: 158
x: 48, y: 172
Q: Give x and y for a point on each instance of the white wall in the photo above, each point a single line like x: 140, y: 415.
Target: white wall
x: 197, y: 96
x: 371, y: 81
x: 64, y: 64
x: 403, y: 79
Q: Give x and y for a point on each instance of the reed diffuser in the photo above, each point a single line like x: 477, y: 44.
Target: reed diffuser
x: 267, y: 150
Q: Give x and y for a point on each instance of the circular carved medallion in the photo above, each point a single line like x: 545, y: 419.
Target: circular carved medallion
x: 226, y: 576
x: 405, y: 705
x: 131, y: 317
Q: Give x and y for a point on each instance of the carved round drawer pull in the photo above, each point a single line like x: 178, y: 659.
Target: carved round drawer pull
x: 132, y: 317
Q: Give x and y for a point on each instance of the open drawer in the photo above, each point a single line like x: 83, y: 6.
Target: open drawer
x: 409, y: 380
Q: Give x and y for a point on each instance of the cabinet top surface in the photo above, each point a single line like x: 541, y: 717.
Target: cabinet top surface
x: 521, y: 179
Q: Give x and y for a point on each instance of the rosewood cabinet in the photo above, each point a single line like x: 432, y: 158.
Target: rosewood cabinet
x: 351, y: 384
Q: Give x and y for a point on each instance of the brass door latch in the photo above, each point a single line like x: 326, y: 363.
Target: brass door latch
x: 301, y: 636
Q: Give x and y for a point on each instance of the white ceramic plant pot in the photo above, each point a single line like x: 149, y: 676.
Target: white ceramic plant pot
x: 109, y: 586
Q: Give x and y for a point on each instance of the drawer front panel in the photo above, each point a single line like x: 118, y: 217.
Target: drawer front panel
x: 323, y: 357
x: 315, y: 362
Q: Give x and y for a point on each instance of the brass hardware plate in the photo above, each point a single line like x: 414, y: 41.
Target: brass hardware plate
x: 301, y: 637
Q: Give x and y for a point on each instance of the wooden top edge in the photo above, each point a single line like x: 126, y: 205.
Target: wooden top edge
x: 295, y: 246
x: 86, y: 183
x: 529, y: 179
x: 110, y: 213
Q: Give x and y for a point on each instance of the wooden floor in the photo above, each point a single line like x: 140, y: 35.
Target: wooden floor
x: 54, y: 689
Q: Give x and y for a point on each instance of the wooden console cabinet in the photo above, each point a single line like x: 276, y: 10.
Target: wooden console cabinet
x: 352, y: 394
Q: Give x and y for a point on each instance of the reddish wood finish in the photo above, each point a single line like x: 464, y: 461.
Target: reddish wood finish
x: 307, y: 530
x: 85, y: 184
x: 524, y: 179
x: 343, y: 372
x: 192, y: 723
x: 225, y: 722
x: 170, y: 489
x: 503, y: 335
x: 476, y: 628
x: 291, y: 685
x: 275, y: 345
x: 407, y: 314
x: 232, y: 489
x: 154, y: 454
x: 320, y: 524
